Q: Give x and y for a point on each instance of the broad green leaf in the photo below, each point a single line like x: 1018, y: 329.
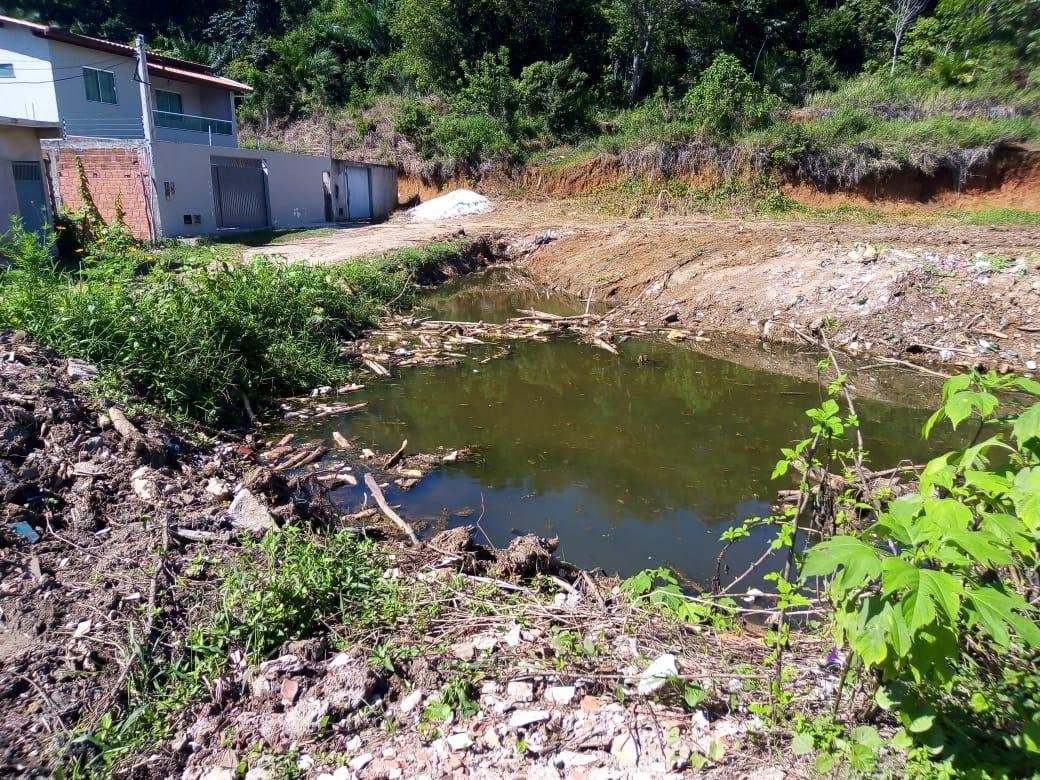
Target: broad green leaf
x: 1025, y: 493
x: 988, y: 482
x: 959, y: 407
x: 1031, y: 386
x: 870, y: 642
x: 802, y: 744
x: 944, y: 515
x: 780, y: 469
x: 859, y: 562
x: 920, y: 724
x: 937, y: 471
x: 923, y: 592
x: 1027, y: 426
x: 982, y: 546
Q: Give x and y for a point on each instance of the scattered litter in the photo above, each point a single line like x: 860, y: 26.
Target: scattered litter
x: 657, y: 674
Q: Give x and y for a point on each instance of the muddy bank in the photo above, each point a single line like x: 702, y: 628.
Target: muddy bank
x: 115, y: 533
x: 966, y: 297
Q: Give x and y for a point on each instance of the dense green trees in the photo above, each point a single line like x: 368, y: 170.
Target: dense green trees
x: 478, y: 79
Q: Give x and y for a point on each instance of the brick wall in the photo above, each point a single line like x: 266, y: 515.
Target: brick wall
x: 110, y: 172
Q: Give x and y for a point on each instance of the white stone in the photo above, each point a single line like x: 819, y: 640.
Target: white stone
x: 410, y: 702
x: 248, y: 513
x: 360, y: 762
x: 520, y: 691
x: 522, y: 718
x: 625, y: 750
x: 560, y: 694
x: 460, y: 741
x: 657, y: 674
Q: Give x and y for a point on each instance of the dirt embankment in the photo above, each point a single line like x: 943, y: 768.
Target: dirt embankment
x: 967, y: 297
x: 1009, y: 177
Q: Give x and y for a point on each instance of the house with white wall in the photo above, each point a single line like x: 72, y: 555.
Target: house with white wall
x: 159, y: 135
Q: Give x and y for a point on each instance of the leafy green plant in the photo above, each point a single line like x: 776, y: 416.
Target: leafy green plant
x: 198, y: 339
x: 932, y: 590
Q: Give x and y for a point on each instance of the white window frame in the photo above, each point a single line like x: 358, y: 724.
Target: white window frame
x: 115, y: 92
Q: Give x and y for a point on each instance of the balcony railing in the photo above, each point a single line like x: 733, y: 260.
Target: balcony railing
x: 200, y: 124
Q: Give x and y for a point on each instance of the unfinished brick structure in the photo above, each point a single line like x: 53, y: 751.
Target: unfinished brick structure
x: 114, y: 170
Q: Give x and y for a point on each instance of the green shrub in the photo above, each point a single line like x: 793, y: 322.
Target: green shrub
x: 199, y: 340
x: 726, y: 101
x: 472, y: 139
x: 296, y: 584
x: 929, y: 597
x: 554, y: 98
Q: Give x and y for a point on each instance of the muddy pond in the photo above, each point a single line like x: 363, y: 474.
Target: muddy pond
x: 634, y: 460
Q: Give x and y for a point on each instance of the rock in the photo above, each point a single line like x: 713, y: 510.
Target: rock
x: 561, y: 694
x: 410, y: 702
x: 1031, y: 365
x: 145, y: 489
x: 247, y: 512
x: 304, y: 718
x: 460, y: 741
x: 625, y: 750
x: 657, y: 674
x: 360, y: 762
x: 80, y: 370
x: 521, y: 718
x: 219, y: 488
x: 520, y: 691
x: 464, y: 651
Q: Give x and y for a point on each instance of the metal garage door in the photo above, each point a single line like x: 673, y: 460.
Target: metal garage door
x: 239, y: 192
x: 32, y: 202
x: 359, y: 194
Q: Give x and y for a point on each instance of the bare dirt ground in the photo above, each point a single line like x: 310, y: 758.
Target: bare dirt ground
x: 963, y: 295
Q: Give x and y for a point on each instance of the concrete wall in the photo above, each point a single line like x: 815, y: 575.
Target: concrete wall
x: 17, y: 144
x: 183, y: 183
x: 384, y: 191
x: 294, y: 186
x: 30, y: 94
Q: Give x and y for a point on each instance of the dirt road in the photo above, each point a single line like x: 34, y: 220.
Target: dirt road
x: 968, y: 295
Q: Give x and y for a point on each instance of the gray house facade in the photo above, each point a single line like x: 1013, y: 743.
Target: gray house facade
x: 159, y: 136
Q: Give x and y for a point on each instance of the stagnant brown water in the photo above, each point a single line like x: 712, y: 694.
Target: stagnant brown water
x: 634, y: 460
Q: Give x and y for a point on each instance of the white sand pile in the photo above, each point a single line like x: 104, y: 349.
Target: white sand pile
x: 459, y: 203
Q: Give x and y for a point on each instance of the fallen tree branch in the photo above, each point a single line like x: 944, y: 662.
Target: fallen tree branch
x: 390, y: 514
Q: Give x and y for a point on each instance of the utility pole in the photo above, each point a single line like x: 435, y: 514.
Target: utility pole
x: 146, y: 92
x: 148, y: 122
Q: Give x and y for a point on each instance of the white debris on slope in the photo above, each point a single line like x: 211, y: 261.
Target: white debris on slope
x: 458, y: 203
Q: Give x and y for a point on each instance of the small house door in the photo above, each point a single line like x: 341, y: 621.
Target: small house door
x: 359, y: 193
x: 32, y: 200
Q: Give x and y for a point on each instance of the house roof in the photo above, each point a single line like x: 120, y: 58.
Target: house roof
x: 158, y: 64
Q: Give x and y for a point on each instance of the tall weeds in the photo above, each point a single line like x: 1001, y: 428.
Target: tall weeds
x: 199, y: 341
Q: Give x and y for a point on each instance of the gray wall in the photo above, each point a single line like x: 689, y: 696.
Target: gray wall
x: 384, y: 191
x: 294, y: 187
x: 17, y: 144
x: 30, y: 94
x: 295, y: 194
x: 85, y: 117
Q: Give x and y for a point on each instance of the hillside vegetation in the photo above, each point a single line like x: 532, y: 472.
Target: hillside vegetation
x: 824, y: 91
